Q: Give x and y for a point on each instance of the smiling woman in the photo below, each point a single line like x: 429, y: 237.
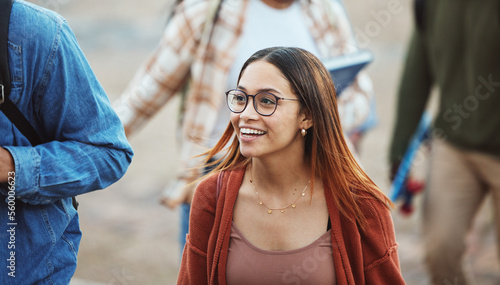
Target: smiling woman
x: 288, y: 193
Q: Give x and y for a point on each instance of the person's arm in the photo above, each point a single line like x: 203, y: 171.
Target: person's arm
x: 164, y: 73
x: 159, y: 79
x: 162, y: 76
x: 413, y: 94
x: 86, y: 148
x: 202, y: 101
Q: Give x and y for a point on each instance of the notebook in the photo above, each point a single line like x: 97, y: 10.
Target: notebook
x: 345, y: 68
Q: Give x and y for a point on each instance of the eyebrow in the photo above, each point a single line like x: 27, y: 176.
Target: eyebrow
x: 267, y: 90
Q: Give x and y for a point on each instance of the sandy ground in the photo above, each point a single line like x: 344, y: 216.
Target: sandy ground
x: 128, y: 238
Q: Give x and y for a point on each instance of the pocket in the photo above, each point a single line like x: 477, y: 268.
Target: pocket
x: 16, y: 72
x: 72, y: 236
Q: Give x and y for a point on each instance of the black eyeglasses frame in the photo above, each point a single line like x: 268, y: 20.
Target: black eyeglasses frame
x: 253, y: 99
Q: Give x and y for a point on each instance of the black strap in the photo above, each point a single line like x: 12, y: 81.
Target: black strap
x: 5, y: 7
x: 16, y: 117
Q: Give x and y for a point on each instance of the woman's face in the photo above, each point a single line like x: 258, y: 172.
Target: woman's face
x: 278, y: 134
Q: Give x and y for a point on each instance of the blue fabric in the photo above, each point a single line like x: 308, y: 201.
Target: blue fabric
x: 85, y: 148
x: 185, y: 209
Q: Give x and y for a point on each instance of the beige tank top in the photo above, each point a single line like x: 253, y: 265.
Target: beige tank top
x: 247, y: 264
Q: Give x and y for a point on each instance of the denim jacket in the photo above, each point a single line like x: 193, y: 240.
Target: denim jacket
x: 84, y: 148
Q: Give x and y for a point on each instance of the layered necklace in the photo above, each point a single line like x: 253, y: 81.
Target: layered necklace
x: 282, y: 210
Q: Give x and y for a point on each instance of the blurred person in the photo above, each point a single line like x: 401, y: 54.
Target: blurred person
x: 83, y: 147
x: 456, y: 48
x: 201, y: 51
x: 287, y: 202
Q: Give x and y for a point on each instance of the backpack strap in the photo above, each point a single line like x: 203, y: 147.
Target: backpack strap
x: 6, y: 105
x: 16, y: 117
x: 5, y: 7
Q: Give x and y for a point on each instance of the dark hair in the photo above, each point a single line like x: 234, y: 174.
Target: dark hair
x: 325, y: 145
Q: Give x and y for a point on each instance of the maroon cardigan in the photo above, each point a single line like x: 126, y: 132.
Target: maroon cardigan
x: 360, y: 258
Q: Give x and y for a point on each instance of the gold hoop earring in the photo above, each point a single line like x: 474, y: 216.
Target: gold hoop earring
x: 303, y: 132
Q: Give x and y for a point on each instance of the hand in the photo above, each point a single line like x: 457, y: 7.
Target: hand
x: 410, y: 182
x: 411, y: 187
x: 177, y: 192
x: 6, y: 164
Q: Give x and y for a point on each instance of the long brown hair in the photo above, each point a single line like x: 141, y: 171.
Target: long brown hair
x: 325, y: 145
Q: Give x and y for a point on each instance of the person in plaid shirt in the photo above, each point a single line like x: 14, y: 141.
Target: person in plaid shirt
x: 200, y: 53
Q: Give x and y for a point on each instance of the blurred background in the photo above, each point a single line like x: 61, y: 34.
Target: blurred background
x: 129, y: 238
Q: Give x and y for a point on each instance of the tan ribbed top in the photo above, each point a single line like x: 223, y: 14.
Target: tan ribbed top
x: 247, y: 264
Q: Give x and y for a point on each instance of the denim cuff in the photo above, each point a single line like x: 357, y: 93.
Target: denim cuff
x: 27, y: 167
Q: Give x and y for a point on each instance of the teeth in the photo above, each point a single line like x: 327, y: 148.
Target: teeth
x: 251, y: 132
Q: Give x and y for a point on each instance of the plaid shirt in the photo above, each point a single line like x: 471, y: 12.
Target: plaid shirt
x: 185, y: 56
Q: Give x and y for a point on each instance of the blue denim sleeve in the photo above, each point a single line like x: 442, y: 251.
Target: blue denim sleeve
x: 86, y: 146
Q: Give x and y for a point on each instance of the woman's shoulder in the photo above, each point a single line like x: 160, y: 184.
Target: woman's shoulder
x: 207, y: 185
x: 226, y: 178
x: 373, y: 203
x: 209, y: 179
x: 205, y: 196
x: 375, y: 207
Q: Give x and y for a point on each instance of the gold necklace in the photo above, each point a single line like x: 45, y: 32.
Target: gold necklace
x: 282, y: 210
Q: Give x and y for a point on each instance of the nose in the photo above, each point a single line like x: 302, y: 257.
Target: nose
x: 249, y: 112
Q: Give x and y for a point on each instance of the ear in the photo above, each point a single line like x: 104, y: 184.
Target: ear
x: 306, y: 121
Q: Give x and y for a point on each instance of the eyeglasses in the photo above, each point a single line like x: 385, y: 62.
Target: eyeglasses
x: 264, y: 103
